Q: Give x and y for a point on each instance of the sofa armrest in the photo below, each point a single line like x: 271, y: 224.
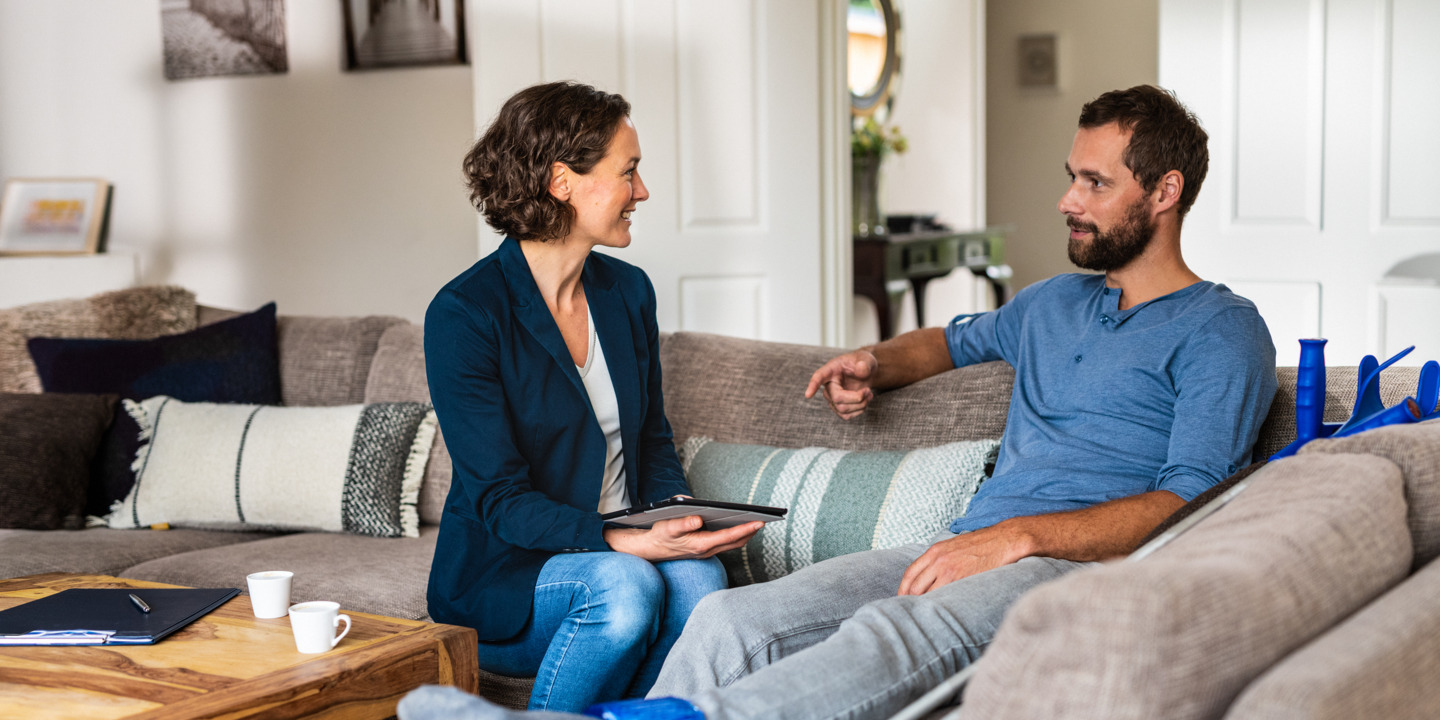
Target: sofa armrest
x: 1381, y: 662
x: 1416, y: 450
x: 1182, y: 633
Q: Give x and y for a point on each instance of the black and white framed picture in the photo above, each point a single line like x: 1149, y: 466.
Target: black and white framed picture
x: 404, y: 33
x: 206, y: 38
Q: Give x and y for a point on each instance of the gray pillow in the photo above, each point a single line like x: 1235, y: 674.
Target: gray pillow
x: 46, y: 445
x: 839, y: 501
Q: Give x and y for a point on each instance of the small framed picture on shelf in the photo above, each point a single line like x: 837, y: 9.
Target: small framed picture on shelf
x: 54, y: 216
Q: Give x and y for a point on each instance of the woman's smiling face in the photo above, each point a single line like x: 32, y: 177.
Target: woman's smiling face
x: 604, y: 197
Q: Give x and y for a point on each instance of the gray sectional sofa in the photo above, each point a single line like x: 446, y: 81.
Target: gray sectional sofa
x: 745, y: 391
x: 324, y: 362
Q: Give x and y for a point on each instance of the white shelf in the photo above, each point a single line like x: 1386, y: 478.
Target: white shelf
x: 37, y: 279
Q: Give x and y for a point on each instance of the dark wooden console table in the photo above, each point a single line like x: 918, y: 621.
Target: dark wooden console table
x: 886, y: 265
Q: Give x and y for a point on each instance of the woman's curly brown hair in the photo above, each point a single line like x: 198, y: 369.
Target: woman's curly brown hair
x: 508, y: 169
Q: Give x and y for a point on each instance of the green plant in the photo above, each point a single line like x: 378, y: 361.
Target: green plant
x: 872, y: 138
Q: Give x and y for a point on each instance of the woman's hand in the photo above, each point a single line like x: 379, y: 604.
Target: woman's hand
x: 679, y: 539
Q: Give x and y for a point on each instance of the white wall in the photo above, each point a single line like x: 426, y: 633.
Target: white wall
x: 340, y: 193
x: 941, y: 111
x: 1100, y: 47
x: 329, y: 192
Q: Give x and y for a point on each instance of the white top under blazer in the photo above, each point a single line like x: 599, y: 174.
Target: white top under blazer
x: 596, y: 376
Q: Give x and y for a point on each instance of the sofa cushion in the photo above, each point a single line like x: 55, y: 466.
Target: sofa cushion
x: 326, y: 360
x: 102, y: 551
x: 1379, y: 663
x: 46, y: 445
x: 1180, y: 633
x: 397, y: 374
x: 351, y: 468
x: 137, y: 313
x: 1278, y: 430
x: 1416, y: 449
x: 742, y: 391
x: 385, y: 576
x: 232, y: 361
x: 840, y: 501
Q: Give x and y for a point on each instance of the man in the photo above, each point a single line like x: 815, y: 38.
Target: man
x: 1135, y: 391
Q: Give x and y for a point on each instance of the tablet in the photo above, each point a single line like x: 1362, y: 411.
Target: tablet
x: 717, y: 515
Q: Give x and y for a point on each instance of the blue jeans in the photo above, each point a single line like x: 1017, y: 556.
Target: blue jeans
x: 601, y: 626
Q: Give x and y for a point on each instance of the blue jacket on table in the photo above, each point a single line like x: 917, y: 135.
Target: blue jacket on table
x: 527, y: 450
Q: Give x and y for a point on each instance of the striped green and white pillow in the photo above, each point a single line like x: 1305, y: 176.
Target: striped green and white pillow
x: 840, y: 501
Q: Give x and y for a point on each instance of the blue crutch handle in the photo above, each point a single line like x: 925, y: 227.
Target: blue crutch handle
x: 666, y: 708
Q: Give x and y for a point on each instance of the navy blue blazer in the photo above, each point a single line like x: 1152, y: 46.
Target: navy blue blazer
x: 528, y: 453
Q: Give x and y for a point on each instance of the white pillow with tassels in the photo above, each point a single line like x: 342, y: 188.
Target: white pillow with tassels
x: 351, y: 468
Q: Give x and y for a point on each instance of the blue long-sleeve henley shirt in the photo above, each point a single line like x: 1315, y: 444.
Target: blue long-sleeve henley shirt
x: 1109, y: 403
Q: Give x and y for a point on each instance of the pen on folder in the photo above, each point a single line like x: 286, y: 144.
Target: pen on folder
x: 139, y: 603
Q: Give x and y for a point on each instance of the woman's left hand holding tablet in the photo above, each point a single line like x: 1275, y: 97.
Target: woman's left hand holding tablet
x: 679, y: 539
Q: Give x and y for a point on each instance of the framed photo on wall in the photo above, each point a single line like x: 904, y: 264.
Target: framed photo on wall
x: 54, y: 216
x: 210, y: 38
x: 403, y: 33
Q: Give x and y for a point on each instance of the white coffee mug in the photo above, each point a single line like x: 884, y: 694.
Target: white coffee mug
x: 270, y: 592
x: 314, y: 625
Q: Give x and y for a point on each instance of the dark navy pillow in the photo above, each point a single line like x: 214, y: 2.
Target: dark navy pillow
x: 231, y: 361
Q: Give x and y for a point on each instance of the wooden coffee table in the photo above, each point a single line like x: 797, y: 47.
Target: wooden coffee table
x: 228, y: 664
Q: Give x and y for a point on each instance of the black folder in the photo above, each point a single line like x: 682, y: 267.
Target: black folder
x: 108, y: 616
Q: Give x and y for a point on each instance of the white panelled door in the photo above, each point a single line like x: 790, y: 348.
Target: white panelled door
x: 1323, y: 147
x: 727, y: 104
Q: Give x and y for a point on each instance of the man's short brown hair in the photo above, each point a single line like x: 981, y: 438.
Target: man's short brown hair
x: 508, y: 169
x: 1164, y: 136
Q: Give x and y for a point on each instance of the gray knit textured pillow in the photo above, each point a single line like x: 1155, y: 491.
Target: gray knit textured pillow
x: 139, y: 313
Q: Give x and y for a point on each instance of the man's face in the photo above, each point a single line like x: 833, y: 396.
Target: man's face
x: 1108, y: 213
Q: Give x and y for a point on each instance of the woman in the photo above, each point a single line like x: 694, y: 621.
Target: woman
x: 543, y: 363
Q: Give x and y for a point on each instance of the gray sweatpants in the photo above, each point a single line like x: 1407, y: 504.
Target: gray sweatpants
x: 834, y: 641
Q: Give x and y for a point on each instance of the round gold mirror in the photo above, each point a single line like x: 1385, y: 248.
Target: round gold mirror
x: 873, y: 56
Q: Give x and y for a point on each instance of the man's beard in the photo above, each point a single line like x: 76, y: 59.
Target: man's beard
x: 1114, y: 249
